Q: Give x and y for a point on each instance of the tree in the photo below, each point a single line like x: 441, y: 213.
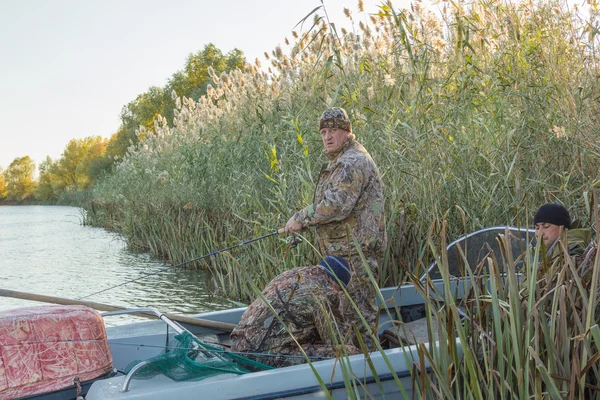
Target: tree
x: 140, y: 112
x: 19, y: 178
x: 96, y: 151
x: 194, y: 79
x: 191, y: 82
x: 71, y: 172
x: 235, y: 60
x: 68, y: 171
x: 2, y: 185
x: 100, y: 166
x: 47, y: 181
x: 71, y: 169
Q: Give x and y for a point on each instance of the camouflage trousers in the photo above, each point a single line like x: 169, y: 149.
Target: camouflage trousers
x: 363, y: 293
x: 288, y: 357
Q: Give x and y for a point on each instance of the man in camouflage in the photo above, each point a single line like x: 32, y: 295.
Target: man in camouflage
x: 348, y: 205
x: 299, y: 308
x: 549, y: 220
x: 553, y: 227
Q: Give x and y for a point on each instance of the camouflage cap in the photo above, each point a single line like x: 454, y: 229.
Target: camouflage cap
x: 335, y: 117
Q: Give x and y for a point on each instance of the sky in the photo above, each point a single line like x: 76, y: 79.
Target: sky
x: 67, y: 67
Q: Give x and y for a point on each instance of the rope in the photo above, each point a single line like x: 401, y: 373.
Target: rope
x: 181, y: 264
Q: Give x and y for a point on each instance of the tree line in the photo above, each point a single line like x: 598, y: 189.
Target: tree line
x: 85, y: 161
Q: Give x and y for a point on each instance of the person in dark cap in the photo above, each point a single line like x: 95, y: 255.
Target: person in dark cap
x: 299, y: 311
x: 553, y: 226
x: 348, y: 206
x: 549, y: 220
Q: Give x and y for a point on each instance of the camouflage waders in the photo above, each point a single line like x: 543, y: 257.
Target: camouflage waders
x: 307, y: 304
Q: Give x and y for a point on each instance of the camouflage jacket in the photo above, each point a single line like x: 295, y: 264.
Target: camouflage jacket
x: 577, y: 245
x: 307, y: 302
x: 349, y: 194
x: 577, y: 242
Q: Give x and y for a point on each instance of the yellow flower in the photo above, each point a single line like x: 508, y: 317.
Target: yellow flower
x: 272, y: 157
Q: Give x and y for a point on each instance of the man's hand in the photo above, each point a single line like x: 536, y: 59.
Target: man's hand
x: 293, y: 226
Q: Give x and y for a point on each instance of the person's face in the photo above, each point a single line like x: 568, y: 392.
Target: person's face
x: 335, y: 286
x: 548, y: 232
x: 333, y: 138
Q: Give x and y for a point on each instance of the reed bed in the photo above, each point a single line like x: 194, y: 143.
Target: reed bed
x: 528, y: 332
x: 475, y: 111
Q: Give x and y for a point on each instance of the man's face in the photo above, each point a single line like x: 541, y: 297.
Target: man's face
x: 549, y: 232
x: 333, y: 138
x: 335, y: 286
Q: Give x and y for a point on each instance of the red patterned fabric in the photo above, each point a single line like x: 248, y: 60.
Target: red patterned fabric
x: 42, y: 349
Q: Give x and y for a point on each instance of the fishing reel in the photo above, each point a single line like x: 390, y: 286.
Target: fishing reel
x: 293, y: 241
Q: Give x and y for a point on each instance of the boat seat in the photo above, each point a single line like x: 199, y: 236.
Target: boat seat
x: 48, y: 348
x: 408, y: 333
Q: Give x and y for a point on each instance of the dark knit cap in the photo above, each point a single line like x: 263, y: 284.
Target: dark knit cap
x: 335, y: 117
x: 336, y: 267
x: 553, y: 214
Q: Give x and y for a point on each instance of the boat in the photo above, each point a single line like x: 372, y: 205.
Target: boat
x: 387, y: 373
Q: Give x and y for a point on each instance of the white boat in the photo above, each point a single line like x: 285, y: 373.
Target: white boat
x: 388, y: 373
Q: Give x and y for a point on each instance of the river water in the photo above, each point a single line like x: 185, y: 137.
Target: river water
x: 46, y: 250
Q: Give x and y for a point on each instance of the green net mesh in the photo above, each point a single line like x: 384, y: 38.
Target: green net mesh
x: 187, y: 358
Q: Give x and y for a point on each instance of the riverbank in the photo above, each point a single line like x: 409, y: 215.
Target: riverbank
x: 26, y: 203
x: 74, y: 199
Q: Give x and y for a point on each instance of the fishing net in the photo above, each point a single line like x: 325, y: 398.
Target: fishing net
x: 188, y: 358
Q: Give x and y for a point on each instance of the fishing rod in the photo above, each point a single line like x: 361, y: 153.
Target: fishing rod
x: 293, y: 242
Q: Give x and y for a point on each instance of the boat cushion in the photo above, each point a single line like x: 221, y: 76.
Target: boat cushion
x: 44, y: 348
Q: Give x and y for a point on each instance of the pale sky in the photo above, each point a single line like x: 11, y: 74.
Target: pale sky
x: 67, y: 67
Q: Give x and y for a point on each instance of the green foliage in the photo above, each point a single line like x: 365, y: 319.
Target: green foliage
x: 19, y: 175
x: 195, y: 78
x: 78, y: 167
x: 98, y: 168
x: 142, y: 113
x: 3, y: 189
x: 47, y: 181
x: 71, y: 169
x: 480, y: 113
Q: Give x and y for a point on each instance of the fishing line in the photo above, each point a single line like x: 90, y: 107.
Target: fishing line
x: 184, y: 263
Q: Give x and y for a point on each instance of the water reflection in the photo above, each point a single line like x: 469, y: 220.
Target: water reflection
x: 46, y: 250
